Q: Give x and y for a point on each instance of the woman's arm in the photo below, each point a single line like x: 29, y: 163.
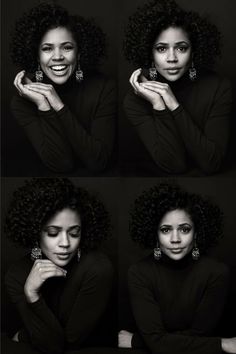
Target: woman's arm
x: 45, y: 134
x: 147, y: 313
x: 86, y: 298
x: 43, y: 329
x: 207, y: 147
x: 158, y: 133
x: 93, y: 146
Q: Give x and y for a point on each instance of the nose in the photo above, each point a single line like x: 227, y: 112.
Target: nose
x: 64, y: 240
x: 175, y: 237
x: 57, y: 54
x: 171, y: 55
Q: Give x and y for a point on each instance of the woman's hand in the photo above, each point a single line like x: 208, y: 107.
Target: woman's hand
x: 42, y: 270
x: 151, y: 96
x: 35, y: 97
x: 48, y: 92
x: 164, y: 91
x: 124, y: 339
x: 229, y: 345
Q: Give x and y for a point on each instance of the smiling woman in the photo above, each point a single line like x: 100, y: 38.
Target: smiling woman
x: 66, y: 108
x: 177, y: 292
x: 62, y: 288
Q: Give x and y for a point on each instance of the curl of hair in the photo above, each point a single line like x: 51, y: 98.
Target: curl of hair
x: 157, y: 15
x: 150, y: 207
x: 39, y: 199
x: 31, y: 27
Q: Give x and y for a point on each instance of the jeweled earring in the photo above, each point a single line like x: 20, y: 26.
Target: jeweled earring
x: 192, y: 72
x: 79, y: 75
x: 153, y: 73
x: 157, y: 252
x: 39, y: 74
x: 36, y: 253
x: 195, y: 251
x: 78, y: 255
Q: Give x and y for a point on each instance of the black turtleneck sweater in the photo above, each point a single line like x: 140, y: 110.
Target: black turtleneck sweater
x: 70, y: 310
x: 81, y: 133
x: 193, y: 135
x: 178, y: 304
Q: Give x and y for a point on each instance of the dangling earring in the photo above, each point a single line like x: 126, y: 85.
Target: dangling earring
x: 192, y: 72
x: 152, y: 72
x: 195, y: 251
x: 36, y: 253
x: 157, y: 252
x: 39, y: 74
x: 79, y: 75
x: 78, y: 255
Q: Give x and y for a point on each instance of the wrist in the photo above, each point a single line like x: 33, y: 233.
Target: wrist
x: 44, y: 106
x: 31, y: 296
x: 58, y: 107
x: 158, y: 106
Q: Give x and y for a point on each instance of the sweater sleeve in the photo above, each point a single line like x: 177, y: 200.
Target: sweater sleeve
x: 45, y: 134
x: 43, y: 329
x: 207, y: 146
x: 148, y: 317
x: 93, y: 293
x: 158, y: 133
x: 93, y: 146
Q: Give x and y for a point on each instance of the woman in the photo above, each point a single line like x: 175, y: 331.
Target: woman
x: 177, y: 293
x: 62, y: 289
x: 179, y: 108
x: 66, y: 110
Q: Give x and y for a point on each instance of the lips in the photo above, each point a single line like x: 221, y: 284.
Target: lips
x: 58, y: 67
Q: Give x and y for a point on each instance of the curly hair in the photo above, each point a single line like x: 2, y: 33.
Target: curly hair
x: 157, y: 15
x: 39, y: 199
x: 31, y: 27
x: 150, y: 207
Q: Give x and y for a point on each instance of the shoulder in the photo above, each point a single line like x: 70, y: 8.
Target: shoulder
x: 213, y: 268
x: 96, y: 263
x: 98, y: 82
x: 213, y: 80
x: 143, y: 268
x: 18, y: 272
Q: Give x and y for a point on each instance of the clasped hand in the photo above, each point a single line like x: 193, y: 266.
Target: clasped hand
x: 157, y: 93
x: 43, y: 95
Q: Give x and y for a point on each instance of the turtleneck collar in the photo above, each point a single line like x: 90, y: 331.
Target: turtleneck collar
x: 183, y: 263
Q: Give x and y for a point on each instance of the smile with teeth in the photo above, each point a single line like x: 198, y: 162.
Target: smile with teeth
x: 58, y: 67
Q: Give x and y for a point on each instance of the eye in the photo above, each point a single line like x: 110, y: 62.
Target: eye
x: 52, y: 232
x: 185, y: 229
x: 46, y: 49
x: 182, y: 49
x: 68, y: 48
x: 165, y: 230
x: 161, y: 49
x: 75, y: 232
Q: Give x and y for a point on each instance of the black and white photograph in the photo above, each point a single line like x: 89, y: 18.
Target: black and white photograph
x: 118, y: 177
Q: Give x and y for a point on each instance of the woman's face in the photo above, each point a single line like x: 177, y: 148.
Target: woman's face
x: 60, y: 237
x: 58, y: 54
x: 176, y: 234
x: 172, y: 53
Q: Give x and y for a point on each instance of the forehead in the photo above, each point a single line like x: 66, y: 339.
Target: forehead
x: 64, y: 217
x: 58, y: 35
x: 173, y: 35
x: 178, y: 216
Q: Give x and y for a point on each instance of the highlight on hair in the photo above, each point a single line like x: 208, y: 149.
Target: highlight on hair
x: 151, y: 19
x: 34, y: 203
x: 150, y: 207
x: 33, y: 24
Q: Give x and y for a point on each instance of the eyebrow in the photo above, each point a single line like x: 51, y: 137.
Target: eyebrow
x: 184, y: 224
x: 59, y: 227
x: 176, y: 43
x: 63, y: 43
